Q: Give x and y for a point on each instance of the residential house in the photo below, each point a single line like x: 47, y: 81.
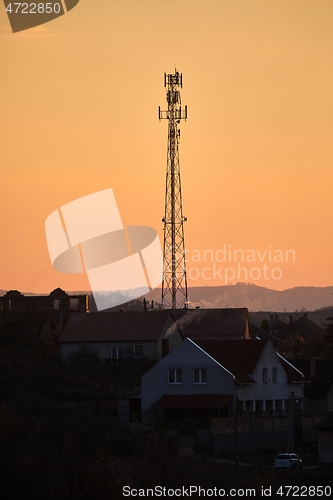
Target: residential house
x: 312, y: 333
x: 303, y: 327
x: 278, y: 328
x: 120, y: 337
x: 203, y: 378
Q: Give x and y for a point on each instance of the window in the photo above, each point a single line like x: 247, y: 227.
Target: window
x: 74, y: 304
x: 264, y: 375
x: 175, y: 376
x: 86, y: 351
x: 138, y: 350
x: 56, y: 304
x: 117, y: 354
x: 274, y: 375
x: 199, y: 376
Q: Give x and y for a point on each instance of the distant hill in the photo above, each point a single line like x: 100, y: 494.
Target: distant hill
x: 255, y: 298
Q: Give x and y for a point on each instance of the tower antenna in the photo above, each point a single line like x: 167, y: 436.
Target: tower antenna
x: 174, y: 285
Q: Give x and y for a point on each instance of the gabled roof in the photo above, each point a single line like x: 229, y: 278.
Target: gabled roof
x: 293, y: 374
x: 301, y: 326
x: 115, y: 326
x: 279, y: 328
x: 191, y: 401
x: 307, y: 328
x: 213, y: 323
x: 239, y: 357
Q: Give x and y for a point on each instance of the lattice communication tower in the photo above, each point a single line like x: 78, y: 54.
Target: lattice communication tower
x: 174, y: 285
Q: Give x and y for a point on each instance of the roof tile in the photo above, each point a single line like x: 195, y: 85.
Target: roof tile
x: 213, y: 323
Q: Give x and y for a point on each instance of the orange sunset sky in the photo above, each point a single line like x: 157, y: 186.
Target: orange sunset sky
x: 79, y: 101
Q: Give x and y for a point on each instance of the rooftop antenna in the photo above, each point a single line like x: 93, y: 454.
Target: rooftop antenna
x: 174, y: 285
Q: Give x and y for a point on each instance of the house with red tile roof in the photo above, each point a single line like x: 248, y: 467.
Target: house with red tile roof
x: 119, y: 337
x: 204, y: 378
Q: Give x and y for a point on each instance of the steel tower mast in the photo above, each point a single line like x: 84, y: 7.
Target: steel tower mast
x: 174, y: 285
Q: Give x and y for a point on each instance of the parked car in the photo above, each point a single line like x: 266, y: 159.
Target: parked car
x: 288, y: 461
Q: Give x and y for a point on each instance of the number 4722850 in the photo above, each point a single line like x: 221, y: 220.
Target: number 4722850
x: 33, y: 8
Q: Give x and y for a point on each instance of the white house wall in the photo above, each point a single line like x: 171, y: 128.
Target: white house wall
x: 153, y: 348
x: 103, y: 349
x: 269, y: 391
x: 261, y: 396
x: 187, y: 356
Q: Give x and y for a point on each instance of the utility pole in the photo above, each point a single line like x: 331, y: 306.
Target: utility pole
x: 174, y: 285
x: 291, y: 434
x: 236, y: 431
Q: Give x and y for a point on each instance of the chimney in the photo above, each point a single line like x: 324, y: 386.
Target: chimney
x: 165, y: 347
x: 276, y: 316
x: 272, y: 317
x: 290, y: 319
